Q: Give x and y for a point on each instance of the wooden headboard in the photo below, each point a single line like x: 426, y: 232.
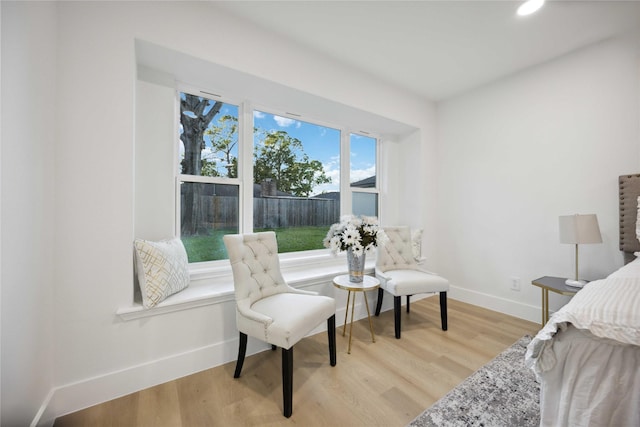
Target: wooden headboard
x: 629, y: 190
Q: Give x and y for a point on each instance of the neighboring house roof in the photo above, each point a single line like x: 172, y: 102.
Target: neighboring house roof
x: 332, y: 195
x: 369, y: 182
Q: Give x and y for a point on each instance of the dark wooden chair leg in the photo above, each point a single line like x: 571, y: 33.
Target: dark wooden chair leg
x: 331, y: 331
x: 242, y: 350
x: 408, y: 299
x: 397, y: 310
x: 287, y: 380
x: 443, y: 310
x: 379, y: 304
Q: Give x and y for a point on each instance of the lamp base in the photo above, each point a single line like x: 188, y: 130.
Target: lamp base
x: 575, y: 283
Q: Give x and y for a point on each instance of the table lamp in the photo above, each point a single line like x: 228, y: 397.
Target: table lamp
x: 579, y: 229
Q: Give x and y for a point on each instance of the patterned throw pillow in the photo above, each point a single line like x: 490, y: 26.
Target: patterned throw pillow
x: 162, y: 269
x: 416, y: 244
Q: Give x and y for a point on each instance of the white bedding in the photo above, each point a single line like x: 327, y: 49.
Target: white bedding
x: 587, y: 357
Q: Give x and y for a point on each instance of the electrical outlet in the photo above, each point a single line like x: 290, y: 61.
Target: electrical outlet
x: 515, y: 284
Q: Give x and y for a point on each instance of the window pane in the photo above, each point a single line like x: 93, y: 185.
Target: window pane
x: 365, y: 204
x: 208, y: 137
x: 296, y: 177
x: 362, y: 171
x: 208, y: 212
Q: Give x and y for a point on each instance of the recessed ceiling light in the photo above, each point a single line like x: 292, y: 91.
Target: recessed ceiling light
x: 530, y: 6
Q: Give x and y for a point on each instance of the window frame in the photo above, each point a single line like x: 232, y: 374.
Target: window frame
x: 246, y: 110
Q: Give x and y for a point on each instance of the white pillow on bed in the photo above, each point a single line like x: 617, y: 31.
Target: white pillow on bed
x: 162, y: 269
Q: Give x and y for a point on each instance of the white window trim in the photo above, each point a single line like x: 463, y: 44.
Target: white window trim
x: 245, y: 166
x: 365, y: 190
x: 209, y: 179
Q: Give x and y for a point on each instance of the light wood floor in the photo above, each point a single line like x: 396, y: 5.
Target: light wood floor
x: 386, y: 383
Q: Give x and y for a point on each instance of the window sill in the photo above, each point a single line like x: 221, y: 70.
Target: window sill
x: 214, y: 286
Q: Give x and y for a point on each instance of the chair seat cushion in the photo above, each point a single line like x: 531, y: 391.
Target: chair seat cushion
x: 410, y: 282
x: 294, y: 316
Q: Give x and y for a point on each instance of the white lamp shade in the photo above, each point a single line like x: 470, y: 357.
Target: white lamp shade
x: 580, y: 229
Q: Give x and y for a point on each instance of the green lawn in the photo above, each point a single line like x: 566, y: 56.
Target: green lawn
x: 292, y: 239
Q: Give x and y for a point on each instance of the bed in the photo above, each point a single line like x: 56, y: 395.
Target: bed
x: 587, y: 357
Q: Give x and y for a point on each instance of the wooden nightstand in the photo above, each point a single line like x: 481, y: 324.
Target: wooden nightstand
x: 553, y: 284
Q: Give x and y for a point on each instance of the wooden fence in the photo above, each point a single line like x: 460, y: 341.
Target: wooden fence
x: 268, y: 212
x: 280, y: 212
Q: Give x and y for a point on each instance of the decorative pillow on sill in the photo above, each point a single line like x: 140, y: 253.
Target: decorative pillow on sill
x: 416, y: 244
x: 162, y: 269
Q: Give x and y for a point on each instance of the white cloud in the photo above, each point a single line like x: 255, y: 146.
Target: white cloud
x: 284, y: 121
x: 360, y: 174
x: 332, y: 170
x: 258, y: 114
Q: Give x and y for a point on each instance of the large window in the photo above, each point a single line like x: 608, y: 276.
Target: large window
x: 295, y: 174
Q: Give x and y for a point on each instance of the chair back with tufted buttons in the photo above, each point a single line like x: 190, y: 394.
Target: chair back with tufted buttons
x: 395, y: 251
x: 400, y: 274
x: 269, y: 309
x: 255, y: 265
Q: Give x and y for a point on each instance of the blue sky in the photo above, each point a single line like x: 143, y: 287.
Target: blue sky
x: 323, y: 143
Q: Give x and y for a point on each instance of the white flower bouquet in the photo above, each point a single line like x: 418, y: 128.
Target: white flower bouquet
x: 358, y: 233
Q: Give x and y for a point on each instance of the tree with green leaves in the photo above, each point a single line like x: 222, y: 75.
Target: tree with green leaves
x: 281, y: 157
x: 224, y: 138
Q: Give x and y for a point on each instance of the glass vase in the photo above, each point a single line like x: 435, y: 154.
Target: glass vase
x: 356, y: 266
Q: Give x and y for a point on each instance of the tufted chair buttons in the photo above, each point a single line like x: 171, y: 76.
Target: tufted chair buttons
x: 397, y: 267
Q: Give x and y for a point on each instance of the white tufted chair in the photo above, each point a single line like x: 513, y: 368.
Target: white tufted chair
x: 400, y: 274
x: 269, y: 309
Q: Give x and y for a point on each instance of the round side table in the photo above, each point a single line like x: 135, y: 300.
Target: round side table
x: 368, y: 284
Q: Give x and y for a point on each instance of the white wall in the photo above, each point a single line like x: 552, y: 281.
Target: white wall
x: 96, y: 356
x: 154, y: 161
x: 28, y: 137
x: 515, y: 155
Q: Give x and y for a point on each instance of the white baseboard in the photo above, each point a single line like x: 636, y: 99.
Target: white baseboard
x: 92, y: 391
x: 79, y: 395
x: 39, y: 420
x: 492, y: 302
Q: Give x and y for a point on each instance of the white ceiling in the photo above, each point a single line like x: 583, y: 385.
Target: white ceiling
x: 438, y: 49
